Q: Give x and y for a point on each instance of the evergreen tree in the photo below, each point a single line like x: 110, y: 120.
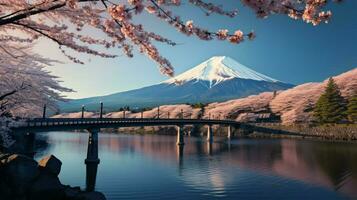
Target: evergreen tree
x: 352, y: 109
x: 331, y: 106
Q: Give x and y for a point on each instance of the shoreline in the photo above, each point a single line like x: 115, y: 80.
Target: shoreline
x: 335, y: 133
x: 340, y: 132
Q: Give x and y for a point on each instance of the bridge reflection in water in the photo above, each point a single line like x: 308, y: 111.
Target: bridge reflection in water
x: 92, y: 161
x: 27, y: 131
x: 131, y: 163
x: 24, y: 134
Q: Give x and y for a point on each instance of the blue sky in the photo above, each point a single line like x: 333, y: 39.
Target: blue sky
x: 285, y: 49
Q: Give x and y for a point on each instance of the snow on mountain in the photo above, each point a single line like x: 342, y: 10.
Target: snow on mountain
x: 218, y: 69
x: 220, y: 78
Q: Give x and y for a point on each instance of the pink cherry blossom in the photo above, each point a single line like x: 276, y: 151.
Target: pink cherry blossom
x: 51, y: 19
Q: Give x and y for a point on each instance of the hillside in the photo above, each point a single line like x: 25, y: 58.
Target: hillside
x: 291, y: 106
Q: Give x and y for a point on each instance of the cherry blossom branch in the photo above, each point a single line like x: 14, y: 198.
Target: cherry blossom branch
x: 211, y: 8
x: 38, y: 31
x: 119, y: 14
x: 189, y: 28
x: 23, y: 10
x: 30, y: 13
x: 3, y: 96
x: 66, y: 43
x: 45, y: 18
x: 22, y: 87
x: 6, y: 51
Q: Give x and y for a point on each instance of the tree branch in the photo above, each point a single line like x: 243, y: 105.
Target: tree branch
x: 172, y: 19
x: 2, y: 97
x: 30, y: 13
x: 22, y: 87
x: 35, y: 12
x: 38, y: 31
x: 6, y: 51
x: 23, y: 10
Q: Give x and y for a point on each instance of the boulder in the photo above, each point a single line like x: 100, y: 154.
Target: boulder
x: 46, y: 187
x: 5, y: 191
x: 90, y: 196
x: 75, y: 193
x: 51, y: 164
x: 72, y: 192
x: 18, y: 172
x: 23, y: 178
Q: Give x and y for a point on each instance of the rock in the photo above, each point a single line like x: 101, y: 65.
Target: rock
x: 72, y: 192
x: 22, y: 178
x: 18, y: 172
x: 46, y: 187
x: 50, y: 164
x: 5, y: 191
x: 90, y: 196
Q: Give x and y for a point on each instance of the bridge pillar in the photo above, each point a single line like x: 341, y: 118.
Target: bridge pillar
x: 92, y: 151
x: 91, y: 176
x: 29, y: 149
x: 229, y: 132
x: 180, y: 138
x: 209, y: 134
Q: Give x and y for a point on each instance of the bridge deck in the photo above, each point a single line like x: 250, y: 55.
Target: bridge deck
x: 63, y: 124
x: 69, y: 124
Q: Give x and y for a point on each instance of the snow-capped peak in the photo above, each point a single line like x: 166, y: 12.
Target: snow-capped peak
x: 218, y: 69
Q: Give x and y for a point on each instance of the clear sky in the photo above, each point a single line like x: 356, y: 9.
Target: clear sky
x: 285, y: 49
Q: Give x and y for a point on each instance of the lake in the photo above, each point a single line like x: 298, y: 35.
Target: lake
x: 154, y: 167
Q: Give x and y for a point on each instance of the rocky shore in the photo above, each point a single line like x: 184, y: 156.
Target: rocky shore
x: 22, y: 178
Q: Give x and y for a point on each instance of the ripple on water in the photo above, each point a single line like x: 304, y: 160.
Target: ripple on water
x: 153, y: 167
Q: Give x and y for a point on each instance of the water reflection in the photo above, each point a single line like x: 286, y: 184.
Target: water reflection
x: 179, y: 154
x: 209, y: 148
x: 134, y: 167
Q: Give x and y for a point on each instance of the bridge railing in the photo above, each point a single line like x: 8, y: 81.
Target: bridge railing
x: 158, y: 115
x: 84, y: 121
x: 162, y: 115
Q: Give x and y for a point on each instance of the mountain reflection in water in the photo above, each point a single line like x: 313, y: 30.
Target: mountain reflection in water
x: 154, y: 167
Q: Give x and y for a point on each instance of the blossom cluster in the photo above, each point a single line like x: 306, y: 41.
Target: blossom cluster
x: 66, y: 22
x: 189, y: 28
x: 24, y: 84
x: 5, y: 139
x: 308, y: 10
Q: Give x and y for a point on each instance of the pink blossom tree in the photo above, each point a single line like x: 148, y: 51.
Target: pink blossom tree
x: 65, y: 23
x: 24, y: 84
x: 24, y: 87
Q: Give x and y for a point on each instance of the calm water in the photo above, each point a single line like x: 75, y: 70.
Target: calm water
x: 153, y: 167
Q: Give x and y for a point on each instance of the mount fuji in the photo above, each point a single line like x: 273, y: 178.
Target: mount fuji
x: 219, y: 78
